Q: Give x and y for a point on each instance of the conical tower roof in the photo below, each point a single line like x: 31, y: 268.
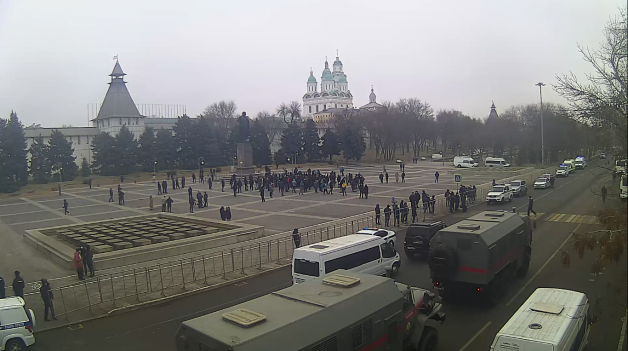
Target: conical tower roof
x: 118, y: 101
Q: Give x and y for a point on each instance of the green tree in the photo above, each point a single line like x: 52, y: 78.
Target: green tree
x: 291, y: 140
x: 280, y: 157
x: 40, y: 167
x: 331, y: 144
x: 350, y: 136
x: 147, y: 150
x: 311, y: 141
x: 61, y: 155
x: 260, y: 144
x: 184, y: 138
x: 166, y: 149
x: 126, y: 148
x: 105, y: 156
x: 85, y: 170
x: 13, y: 154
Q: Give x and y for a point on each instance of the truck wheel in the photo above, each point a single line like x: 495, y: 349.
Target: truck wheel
x: 523, y: 270
x: 395, y: 270
x: 15, y: 345
x: 429, y: 340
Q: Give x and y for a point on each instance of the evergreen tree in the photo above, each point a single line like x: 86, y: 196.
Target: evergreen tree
x: 260, y: 144
x: 165, y: 149
x: 126, y: 149
x: 61, y: 155
x: 311, y: 141
x: 147, y: 151
x: 331, y: 144
x: 280, y: 157
x: 352, y: 143
x: 85, y: 170
x: 184, y: 140
x: 40, y: 167
x: 291, y: 141
x: 105, y: 156
x: 13, y: 154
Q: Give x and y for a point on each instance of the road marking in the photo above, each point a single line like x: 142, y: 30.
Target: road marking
x: 74, y: 327
x: 559, y: 218
x: 553, y: 217
x: 571, y: 218
x: 542, y: 267
x: 475, y: 336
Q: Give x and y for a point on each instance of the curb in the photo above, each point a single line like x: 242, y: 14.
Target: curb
x: 162, y: 300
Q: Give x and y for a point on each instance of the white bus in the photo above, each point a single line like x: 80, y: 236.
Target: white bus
x: 495, y: 162
x: 368, y: 254
x: 549, y: 320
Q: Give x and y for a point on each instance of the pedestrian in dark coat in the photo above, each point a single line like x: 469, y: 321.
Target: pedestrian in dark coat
x: 205, y: 196
x: 456, y: 201
x: 110, y: 195
x: 366, y: 191
x: 296, y: 238
x: 387, y: 212
x: 223, y: 184
x: 169, y: 204
x: 381, y: 178
x: 158, y: 188
x: 18, y: 285
x: 261, y: 193
x: 199, y: 199
x: 222, y: 213
x: 191, y: 201
x: 66, y: 205
x: 47, y: 296
x: 173, y: 184
x: 189, y: 191
x: 228, y: 213
x: 386, y: 177
x: 2, y: 287
x: 530, y: 204
x: 209, y: 182
x: 377, y: 215
x: 436, y: 175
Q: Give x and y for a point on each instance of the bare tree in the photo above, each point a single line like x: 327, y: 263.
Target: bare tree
x: 295, y: 111
x: 283, y: 111
x: 222, y: 114
x: 605, y: 96
x: 271, y: 123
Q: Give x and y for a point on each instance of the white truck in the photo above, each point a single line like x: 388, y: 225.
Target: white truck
x: 464, y: 162
x: 499, y: 193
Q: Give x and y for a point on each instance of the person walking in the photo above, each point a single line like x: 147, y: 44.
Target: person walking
x: 222, y: 182
x: 604, y: 192
x: 47, y: 296
x: 386, y: 177
x: 121, y: 198
x: 110, y: 195
x: 377, y: 215
x: 150, y: 202
x: 296, y: 238
x: 271, y: 189
x: 158, y: 188
x: 169, y: 202
x: 182, y: 182
x: 18, y: 285
x: 228, y: 213
x: 78, y: 264
x: 463, y: 201
x: 261, y: 193
x: 530, y: 205
x: 381, y: 178
x: 163, y: 204
x: 66, y: 205
x: 164, y: 187
x: 88, y: 258
x: 397, y: 176
x: 433, y: 204
x: 234, y: 187
x: 205, y: 197
x: 387, y: 212
x: 436, y: 175
x: 403, y: 177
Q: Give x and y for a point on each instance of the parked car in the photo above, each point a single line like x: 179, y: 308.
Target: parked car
x: 418, y: 236
x: 464, y: 162
x: 499, y: 193
x: 518, y: 187
x: 542, y: 183
x: 388, y: 235
x: 16, y: 325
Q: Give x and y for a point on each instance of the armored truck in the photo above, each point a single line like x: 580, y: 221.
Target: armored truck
x: 341, y: 311
x: 481, y: 254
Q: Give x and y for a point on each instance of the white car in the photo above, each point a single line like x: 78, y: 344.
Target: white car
x: 499, y: 193
x: 562, y: 171
x: 388, y: 235
x: 16, y: 325
x: 542, y: 183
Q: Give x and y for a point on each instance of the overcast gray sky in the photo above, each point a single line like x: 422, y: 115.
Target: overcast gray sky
x: 55, y: 55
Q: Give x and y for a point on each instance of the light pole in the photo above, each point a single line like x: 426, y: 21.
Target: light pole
x: 541, y: 85
x: 201, y: 162
x: 442, y: 143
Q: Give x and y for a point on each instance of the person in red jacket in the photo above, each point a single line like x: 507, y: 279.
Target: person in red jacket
x: 78, y: 264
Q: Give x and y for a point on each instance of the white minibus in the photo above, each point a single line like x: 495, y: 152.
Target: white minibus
x: 464, y: 162
x: 368, y: 254
x: 495, y: 162
x: 549, y: 320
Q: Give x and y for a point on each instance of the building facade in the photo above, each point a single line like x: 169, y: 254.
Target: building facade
x: 334, y: 90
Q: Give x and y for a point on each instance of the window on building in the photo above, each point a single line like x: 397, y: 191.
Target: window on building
x: 325, y: 107
x: 108, y: 123
x: 78, y: 140
x: 137, y: 121
x: 310, y: 107
x: 316, y: 108
x: 336, y: 105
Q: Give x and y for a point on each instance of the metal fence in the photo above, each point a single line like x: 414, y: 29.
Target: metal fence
x: 128, y: 287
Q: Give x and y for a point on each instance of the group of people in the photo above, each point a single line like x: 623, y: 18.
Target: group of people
x: 400, y: 212
x: 84, y: 261
x: 45, y: 291
x: 120, y: 193
x: 460, y: 198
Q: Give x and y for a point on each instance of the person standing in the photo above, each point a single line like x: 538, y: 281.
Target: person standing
x: 110, y: 195
x: 158, y: 188
x: 403, y: 177
x: 222, y: 181
x: 366, y: 191
x: 191, y: 201
x: 436, y: 175
x: 46, y: 295
x: 396, y: 215
x: 228, y: 213
x: 78, y: 264
x: 397, y: 175
x: 199, y: 199
x: 296, y: 237
x: 271, y: 189
x: 433, y: 203
x: 164, y: 187
x: 169, y: 204
x: 386, y: 177
x: 387, y: 212
x: 89, y: 260
x: 163, y: 204
x: 234, y: 187
x: 261, y: 193
x: 190, y: 192
x: 377, y: 215
x: 530, y: 204
x: 413, y: 208
x: 604, y: 192
x: 223, y: 216
x: 463, y: 201
x: 456, y: 201
x: 121, y: 198
x: 18, y: 285
x: 65, y: 207
x: 150, y: 202
x: 381, y: 178
x: 205, y: 196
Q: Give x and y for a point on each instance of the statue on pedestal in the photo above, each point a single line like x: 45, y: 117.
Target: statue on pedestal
x: 244, y: 128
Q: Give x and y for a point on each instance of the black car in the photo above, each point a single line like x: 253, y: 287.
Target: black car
x: 418, y: 236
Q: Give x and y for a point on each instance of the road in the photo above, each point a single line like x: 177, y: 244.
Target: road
x: 469, y: 326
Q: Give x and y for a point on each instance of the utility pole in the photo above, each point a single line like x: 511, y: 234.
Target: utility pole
x: 541, y: 85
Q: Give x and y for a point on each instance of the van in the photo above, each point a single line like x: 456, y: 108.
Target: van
x: 464, y: 162
x: 368, y: 254
x: 571, y: 164
x: 549, y: 320
x: 16, y: 325
x: 580, y: 163
x: 495, y: 162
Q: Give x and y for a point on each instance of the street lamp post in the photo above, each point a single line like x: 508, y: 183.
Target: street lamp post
x: 541, y: 85
x: 442, y: 144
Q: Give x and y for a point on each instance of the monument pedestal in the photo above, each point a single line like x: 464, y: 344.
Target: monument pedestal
x: 245, y: 159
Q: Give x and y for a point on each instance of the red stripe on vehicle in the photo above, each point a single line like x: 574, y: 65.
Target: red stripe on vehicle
x: 471, y: 269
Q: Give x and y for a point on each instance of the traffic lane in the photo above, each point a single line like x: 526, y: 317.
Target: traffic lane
x: 154, y: 328
x: 605, y: 333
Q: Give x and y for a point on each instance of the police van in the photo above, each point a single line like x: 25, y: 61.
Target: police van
x: 360, y: 253
x: 549, y: 320
x: 16, y: 325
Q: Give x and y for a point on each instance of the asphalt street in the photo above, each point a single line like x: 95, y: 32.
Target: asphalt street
x: 469, y: 325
